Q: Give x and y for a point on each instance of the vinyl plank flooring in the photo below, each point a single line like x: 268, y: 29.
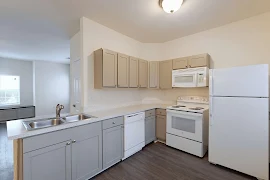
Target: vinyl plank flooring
x: 6, y: 155
x: 159, y: 162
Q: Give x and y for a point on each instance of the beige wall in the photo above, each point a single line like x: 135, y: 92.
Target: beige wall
x: 240, y: 43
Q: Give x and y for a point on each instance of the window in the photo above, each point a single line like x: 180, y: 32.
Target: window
x: 9, y: 90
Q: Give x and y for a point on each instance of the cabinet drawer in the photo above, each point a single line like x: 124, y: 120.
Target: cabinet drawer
x: 113, y: 122
x: 151, y: 112
x: 86, y: 131
x: 44, y: 140
x: 161, y: 112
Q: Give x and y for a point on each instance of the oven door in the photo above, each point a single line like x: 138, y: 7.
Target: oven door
x: 184, y: 80
x: 185, y: 124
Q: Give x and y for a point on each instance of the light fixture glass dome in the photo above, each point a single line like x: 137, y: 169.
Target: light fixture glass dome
x: 171, y: 6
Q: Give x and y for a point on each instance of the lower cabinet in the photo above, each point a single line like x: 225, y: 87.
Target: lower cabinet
x: 86, y: 153
x: 53, y: 163
x: 150, y: 129
x: 161, y: 128
x: 77, y: 158
x: 113, y: 146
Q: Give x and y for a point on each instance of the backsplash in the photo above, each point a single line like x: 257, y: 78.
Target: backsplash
x: 113, y: 98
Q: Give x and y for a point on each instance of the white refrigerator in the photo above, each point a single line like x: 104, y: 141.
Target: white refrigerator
x: 239, y: 119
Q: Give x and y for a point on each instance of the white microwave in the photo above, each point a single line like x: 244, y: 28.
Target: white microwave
x: 191, y: 77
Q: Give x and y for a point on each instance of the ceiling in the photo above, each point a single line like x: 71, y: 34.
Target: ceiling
x: 41, y: 29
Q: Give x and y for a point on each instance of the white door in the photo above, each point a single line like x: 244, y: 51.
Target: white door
x: 76, y: 87
x: 238, y: 134
x: 248, y: 81
x: 185, y: 124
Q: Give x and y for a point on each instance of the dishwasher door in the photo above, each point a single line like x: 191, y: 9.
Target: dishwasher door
x: 134, y: 133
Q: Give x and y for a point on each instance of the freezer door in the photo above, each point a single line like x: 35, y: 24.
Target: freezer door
x: 238, y: 134
x: 248, y: 81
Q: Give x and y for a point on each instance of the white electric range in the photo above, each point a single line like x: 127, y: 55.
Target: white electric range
x: 187, y: 125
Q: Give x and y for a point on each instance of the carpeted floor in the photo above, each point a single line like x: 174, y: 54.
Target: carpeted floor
x: 6, y: 155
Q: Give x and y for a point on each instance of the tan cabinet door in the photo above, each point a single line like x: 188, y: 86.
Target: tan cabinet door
x: 143, y: 73
x: 133, y: 72
x: 123, y: 70
x: 180, y: 63
x: 161, y: 128
x: 165, y: 74
x: 201, y: 60
x: 153, y: 74
x: 109, y: 68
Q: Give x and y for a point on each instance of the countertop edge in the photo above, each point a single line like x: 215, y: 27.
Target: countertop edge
x: 26, y: 134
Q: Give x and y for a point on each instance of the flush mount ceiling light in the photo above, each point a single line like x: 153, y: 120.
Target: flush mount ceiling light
x: 170, y: 6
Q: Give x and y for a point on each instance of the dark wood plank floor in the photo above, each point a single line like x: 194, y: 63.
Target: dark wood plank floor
x: 6, y: 155
x: 159, y: 162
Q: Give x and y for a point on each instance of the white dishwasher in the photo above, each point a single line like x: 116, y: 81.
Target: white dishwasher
x: 134, y: 133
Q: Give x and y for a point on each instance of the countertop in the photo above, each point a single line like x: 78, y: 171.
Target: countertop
x: 16, y: 130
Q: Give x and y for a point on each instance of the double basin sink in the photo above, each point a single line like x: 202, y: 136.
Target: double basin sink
x: 45, y: 123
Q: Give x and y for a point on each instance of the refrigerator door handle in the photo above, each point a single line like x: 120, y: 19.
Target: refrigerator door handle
x: 211, y: 82
x: 211, y: 111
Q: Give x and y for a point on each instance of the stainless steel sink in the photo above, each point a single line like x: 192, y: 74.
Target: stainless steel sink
x: 42, y: 123
x: 45, y: 123
x: 78, y: 117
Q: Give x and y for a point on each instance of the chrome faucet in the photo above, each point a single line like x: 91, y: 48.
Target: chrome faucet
x: 58, y: 110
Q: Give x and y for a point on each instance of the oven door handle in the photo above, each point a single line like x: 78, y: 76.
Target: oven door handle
x: 190, y: 114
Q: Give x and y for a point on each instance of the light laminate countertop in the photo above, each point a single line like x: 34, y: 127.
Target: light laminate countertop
x: 16, y: 130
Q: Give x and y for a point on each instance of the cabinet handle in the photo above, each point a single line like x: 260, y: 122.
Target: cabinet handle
x: 113, y: 122
x: 68, y: 143
x: 73, y: 141
x: 74, y: 105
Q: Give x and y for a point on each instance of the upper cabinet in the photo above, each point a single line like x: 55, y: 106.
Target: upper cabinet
x: 133, y: 72
x: 123, y: 71
x: 116, y: 70
x: 165, y: 74
x: 143, y: 73
x: 180, y: 63
x: 105, y: 68
x: 201, y: 60
x: 154, y: 74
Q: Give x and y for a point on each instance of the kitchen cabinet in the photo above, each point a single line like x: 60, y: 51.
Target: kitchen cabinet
x: 52, y: 162
x: 161, y: 124
x: 105, y: 69
x: 113, y: 146
x: 150, y: 129
x: 143, y: 73
x: 154, y: 74
x: 123, y: 71
x: 86, y: 151
x: 180, y: 63
x: 161, y: 128
x: 165, y: 74
x: 71, y: 154
x: 133, y: 72
x: 201, y: 60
